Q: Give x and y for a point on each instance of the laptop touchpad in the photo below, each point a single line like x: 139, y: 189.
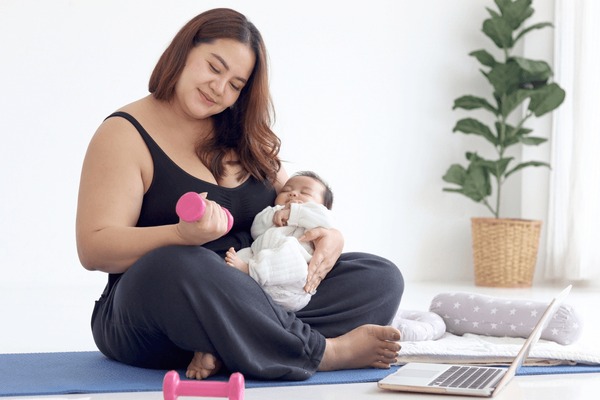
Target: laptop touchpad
x: 417, y: 373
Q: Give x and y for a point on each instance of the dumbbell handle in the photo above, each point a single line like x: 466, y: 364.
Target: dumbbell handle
x: 191, y: 206
x: 173, y: 387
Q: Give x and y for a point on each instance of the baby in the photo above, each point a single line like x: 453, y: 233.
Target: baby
x: 277, y: 260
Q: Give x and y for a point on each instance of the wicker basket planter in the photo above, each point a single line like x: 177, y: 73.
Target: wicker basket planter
x: 505, y: 251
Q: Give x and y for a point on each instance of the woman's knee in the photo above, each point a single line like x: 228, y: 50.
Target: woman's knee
x: 183, y: 255
x: 173, y: 261
x: 164, y: 272
x: 378, y: 272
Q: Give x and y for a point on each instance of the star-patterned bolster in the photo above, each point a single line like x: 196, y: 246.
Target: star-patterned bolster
x: 493, y: 316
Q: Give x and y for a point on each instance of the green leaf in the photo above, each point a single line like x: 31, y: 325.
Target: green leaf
x: 453, y: 190
x: 499, y: 31
x: 502, y: 4
x: 510, y: 141
x: 546, y: 99
x: 484, y: 57
x: 506, y: 134
x: 533, y: 72
x: 510, y: 101
x: 472, y: 156
x: 505, y: 78
x: 515, y: 12
x: 456, y: 174
x: 498, y: 167
x: 527, y: 164
x: 473, y: 182
x: 493, y: 13
x: 477, y: 184
x: 532, y: 27
x: 472, y: 102
x: 532, y: 140
x: 512, y: 136
x: 473, y: 126
x: 524, y: 131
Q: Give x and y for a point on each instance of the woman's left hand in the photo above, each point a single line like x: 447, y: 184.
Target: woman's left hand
x: 329, y: 244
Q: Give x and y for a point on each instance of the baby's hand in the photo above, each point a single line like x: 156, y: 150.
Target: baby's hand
x: 281, y: 217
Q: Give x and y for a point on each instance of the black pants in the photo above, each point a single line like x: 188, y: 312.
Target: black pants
x: 180, y: 299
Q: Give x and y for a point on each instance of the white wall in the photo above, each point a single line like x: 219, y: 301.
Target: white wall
x: 363, y: 93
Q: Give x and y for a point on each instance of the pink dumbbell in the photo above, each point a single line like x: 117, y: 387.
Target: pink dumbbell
x: 190, y: 208
x: 173, y: 387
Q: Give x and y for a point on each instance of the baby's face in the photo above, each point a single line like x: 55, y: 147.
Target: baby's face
x: 300, y: 189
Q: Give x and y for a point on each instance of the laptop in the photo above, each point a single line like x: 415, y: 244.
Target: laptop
x: 467, y: 380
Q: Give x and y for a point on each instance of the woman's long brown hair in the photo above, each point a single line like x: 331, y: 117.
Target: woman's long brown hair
x: 246, y: 126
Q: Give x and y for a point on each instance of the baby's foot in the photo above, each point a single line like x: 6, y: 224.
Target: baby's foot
x: 202, y: 366
x: 232, y: 259
x: 366, y: 346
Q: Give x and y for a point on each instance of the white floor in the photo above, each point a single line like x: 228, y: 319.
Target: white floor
x: 60, y: 322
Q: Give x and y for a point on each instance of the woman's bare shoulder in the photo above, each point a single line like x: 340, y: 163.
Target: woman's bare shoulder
x: 118, y: 130
x: 118, y: 141
x: 115, y: 132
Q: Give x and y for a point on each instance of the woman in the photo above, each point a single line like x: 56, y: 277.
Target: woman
x: 171, y: 300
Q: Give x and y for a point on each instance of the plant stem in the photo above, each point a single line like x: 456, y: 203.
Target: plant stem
x: 498, y: 191
x: 525, y: 118
x: 500, y: 149
x: 490, y: 208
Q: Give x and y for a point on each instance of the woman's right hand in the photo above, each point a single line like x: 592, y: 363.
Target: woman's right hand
x: 211, y: 226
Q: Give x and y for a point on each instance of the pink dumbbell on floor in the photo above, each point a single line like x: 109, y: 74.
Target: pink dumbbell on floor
x: 173, y: 387
x: 190, y: 208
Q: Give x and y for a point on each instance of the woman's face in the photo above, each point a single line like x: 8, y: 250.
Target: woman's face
x: 213, y: 77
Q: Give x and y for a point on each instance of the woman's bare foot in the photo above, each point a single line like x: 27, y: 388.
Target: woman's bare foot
x: 366, y: 346
x: 231, y: 258
x: 202, y: 366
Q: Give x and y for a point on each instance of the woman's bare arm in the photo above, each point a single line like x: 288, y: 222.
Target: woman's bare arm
x: 110, y: 196
x: 116, y: 172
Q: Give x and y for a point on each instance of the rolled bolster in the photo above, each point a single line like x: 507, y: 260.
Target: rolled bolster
x: 416, y: 326
x: 494, y: 316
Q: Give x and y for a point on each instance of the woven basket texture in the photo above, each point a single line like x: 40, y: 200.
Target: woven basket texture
x: 505, y: 251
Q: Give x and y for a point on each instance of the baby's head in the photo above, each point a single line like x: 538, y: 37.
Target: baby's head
x: 303, y: 187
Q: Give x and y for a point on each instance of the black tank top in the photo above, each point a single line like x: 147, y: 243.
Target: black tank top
x: 169, y: 182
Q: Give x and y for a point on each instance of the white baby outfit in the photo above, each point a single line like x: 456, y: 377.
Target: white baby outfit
x: 277, y: 260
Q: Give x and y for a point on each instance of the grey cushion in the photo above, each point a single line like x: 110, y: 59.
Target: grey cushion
x: 494, y: 316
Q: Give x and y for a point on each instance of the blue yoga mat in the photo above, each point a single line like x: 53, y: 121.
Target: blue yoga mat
x: 37, y: 374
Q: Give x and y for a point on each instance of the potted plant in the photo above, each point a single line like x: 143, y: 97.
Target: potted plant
x: 521, y: 89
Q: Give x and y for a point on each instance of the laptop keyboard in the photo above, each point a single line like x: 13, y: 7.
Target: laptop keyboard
x: 466, y: 377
